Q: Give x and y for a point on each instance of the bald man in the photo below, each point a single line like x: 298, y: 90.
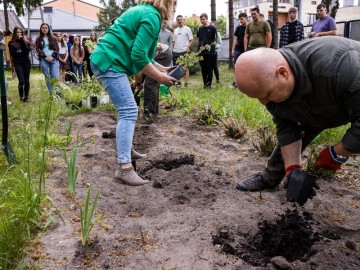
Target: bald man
x: 308, y: 86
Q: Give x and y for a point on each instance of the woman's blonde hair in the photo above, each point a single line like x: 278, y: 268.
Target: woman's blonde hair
x: 165, y: 7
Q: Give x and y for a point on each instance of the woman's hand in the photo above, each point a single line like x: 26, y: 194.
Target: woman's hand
x: 167, y: 80
x: 49, y: 58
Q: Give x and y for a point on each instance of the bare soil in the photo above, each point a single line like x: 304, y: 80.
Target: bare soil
x: 191, y: 216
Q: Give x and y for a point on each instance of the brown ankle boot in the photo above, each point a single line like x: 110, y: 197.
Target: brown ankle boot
x: 136, y: 155
x: 129, y: 176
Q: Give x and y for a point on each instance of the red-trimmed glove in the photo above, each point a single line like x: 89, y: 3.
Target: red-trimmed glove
x: 288, y: 169
x: 328, y: 160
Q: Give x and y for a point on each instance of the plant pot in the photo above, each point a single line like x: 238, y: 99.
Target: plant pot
x: 93, y: 101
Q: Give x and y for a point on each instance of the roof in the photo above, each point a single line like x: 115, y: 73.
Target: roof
x: 13, y: 20
x: 60, y: 20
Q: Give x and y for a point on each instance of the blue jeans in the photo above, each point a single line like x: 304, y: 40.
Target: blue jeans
x: 77, y: 70
x: 51, y: 71
x: 118, y: 87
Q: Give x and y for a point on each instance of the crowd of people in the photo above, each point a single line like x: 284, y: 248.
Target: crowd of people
x: 62, y: 58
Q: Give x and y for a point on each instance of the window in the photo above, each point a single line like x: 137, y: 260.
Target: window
x: 313, y: 3
x: 348, y: 3
x: 310, y: 18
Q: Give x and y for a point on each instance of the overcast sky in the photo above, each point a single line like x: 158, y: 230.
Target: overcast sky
x: 189, y: 7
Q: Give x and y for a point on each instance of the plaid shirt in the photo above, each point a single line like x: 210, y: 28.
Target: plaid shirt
x: 284, y: 33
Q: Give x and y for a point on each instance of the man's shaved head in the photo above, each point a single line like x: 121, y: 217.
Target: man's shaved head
x: 264, y: 73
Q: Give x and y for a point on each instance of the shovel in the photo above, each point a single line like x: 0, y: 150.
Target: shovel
x: 10, y: 156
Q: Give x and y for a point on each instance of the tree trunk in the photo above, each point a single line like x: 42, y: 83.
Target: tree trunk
x: 231, y: 32
x: 7, y: 30
x: 213, y: 10
x: 276, y: 23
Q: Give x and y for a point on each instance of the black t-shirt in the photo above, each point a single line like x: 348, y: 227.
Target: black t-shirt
x: 240, y: 34
x: 207, y: 35
x: 292, y: 32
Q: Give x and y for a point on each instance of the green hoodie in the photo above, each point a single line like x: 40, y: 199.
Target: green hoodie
x: 130, y: 43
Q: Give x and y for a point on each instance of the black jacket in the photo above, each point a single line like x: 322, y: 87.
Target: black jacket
x: 19, y: 51
x: 327, y: 90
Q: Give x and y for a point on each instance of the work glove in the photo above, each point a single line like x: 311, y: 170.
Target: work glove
x: 300, y: 186
x: 329, y: 160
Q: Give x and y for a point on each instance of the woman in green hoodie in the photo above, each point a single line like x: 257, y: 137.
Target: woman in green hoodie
x: 127, y: 48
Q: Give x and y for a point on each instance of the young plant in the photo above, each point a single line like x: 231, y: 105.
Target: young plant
x: 233, y: 127
x: 266, y: 141
x: 314, y: 151
x: 86, y: 216
x: 192, y: 58
x: 72, y: 169
x: 208, y: 116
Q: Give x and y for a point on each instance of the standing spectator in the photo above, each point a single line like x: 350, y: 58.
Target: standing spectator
x: 89, y: 46
x: 63, y: 56
x: 292, y: 31
x: 257, y: 33
x: 182, y: 40
x: 126, y: 49
x: 165, y: 35
x: 325, y: 25
x: 163, y: 56
x: 69, y: 42
x: 77, y: 55
x: 207, y: 35
x: 47, y: 50
x: 217, y: 51
x: 272, y: 27
x: 19, y: 48
x: 239, y: 35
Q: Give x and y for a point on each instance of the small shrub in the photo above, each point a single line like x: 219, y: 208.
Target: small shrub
x: 208, y: 116
x: 311, y: 160
x: 266, y: 141
x: 234, y: 128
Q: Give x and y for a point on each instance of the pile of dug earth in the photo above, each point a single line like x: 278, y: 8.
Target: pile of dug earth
x: 277, y: 245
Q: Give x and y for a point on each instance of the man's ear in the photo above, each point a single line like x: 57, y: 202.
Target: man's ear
x: 282, y: 72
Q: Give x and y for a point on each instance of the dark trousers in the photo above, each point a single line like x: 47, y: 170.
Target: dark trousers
x: 274, y: 172
x: 216, y: 69
x: 151, y: 87
x: 207, y: 69
x: 23, y: 74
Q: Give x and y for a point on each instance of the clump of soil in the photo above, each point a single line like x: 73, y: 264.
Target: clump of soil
x: 291, y: 237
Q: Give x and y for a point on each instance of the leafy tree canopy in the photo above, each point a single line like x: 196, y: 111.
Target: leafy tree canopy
x: 22, y: 5
x: 112, y: 9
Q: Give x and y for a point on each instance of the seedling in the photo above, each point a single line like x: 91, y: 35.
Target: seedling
x: 266, y: 142
x: 86, y: 216
x: 234, y: 128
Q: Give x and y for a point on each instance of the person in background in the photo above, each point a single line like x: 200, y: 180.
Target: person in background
x: 77, y: 55
x: 272, y: 27
x: 257, y: 33
x: 89, y: 46
x: 324, y: 26
x: 19, y: 48
x: 238, y: 43
x: 165, y: 35
x: 217, y: 51
x: 127, y: 48
x: 48, y: 50
x: 308, y: 86
x: 69, y: 42
x: 292, y: 31
x: 182, y: 40
x: 163, y: 56
x: 63, y: 56
x: 207, y: 35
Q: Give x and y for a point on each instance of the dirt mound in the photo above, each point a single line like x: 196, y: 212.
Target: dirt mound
x: 291, y: 236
